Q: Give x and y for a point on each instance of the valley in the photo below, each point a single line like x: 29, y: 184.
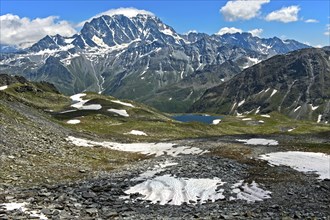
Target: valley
x: 95, y: 156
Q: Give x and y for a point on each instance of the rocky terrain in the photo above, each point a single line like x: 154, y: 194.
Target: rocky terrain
x: 71, y: 158
x: 295, y: 84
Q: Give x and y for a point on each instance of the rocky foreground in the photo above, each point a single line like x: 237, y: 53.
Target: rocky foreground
x: 266, y: 192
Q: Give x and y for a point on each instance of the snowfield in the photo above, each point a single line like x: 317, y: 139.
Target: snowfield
x: 157, y: 149
x: 175, y: 191
x: 120, y: 112
x: 306, y: 162
x: 258, y: 141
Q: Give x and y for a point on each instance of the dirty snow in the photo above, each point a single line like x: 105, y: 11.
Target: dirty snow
x: 175, y: 191
x: 121, y: 112
x: 249, y: 192
x: 157, y: 169
x: 157, y: 149
x: 3, y: 87
x: 73, y: 121
x: 216, y: 121
x: 21, y: 207
x: 123, y: 103
x: 258, y: 141
x: 136, y: 132
x: 301, y: 161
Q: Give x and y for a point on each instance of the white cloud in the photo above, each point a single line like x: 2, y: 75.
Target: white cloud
x: 242, y: 9
x: 285, y: 14
x: 256, y: 32
x: 229, y: 30
x: 311, y: 21
x: 327, y: 32
x: 23, y: 32
x: 128, y: 12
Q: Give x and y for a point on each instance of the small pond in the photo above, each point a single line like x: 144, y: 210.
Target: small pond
x: 207, y: 119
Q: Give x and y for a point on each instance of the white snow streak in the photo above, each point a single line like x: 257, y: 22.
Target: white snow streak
x: 121, y: 112
x: 258, y: 141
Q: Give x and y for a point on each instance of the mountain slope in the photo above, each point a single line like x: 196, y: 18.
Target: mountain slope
x: 296, y: 84
x: 139, y: 58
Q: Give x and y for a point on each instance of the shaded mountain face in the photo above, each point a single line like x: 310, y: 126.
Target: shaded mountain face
x: 296, y: 84
x: 141, y: 58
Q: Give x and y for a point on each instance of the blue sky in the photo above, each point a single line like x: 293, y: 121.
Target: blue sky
x: 305, y: 21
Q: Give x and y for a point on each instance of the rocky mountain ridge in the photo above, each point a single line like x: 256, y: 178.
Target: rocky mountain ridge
x: 141, y: 58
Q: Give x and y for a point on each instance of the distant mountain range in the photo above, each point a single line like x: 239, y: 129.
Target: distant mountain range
x: 141, y: 58
x: 296, y: 84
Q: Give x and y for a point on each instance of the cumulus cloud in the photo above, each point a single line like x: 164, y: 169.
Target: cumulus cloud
x: 256, y: 32
x: 242, y: 9
x: 24, y: 32
x: 327, y: 32
x: 285, y: 14
x: 311, y: 21
x: 128, y: 12
x: 232, y: 30
x: 229, y: 30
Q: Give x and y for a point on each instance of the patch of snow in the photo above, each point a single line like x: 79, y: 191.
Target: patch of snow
x: 265, y: 116
x: 175, y: 191
x: 258, y: 141
x: 3, y: 87
x: 73, y: 121
x: 267, y: 90
x: 273, y: 93
x: 291, y: 129
x: 77, y: 97
x: 246, y: 119
x: 301, y: 161
x: 91, y: 107
x: 67, y: 111
x: 313, y: 107
x: 296, y: 109
x: 156, y: 149
x: 222, y: 80
x: 216, y: 121
x: 261, y: 121
x: 319, y: 118
x: 121, y: 112
x: 170, y: 98
x: 123, y: 103
x: 249, y: 192
x: 157, y: 169
x: 21, y: 207
x: 136, y: 132
x: 258, y: 110
x: 241, y: 103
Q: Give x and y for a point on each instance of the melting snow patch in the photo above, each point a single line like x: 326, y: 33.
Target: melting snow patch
x: 157, y: 169
x: 249, y: 192
x: 258, y: 141
x: 216, y: 121
x: 77, y: 97
x: 21, y: 207
x: 246, y: 119
x: 3, y: 87
x: 175, y: 191
x: 291, y: 129
x: 265, y: 116
x: 301, y: 161
x: 241, y: 103
x: 80, y: 103
x: 313, y: 107
x: 121, y: 112
x: 156, y: 149
x: 296, y: 109
x: 73, y: 121
x: 319, y: 118
x: 91, y: 107
x: 123, y: 103
x: 273, y: 93
x: 136, y: 132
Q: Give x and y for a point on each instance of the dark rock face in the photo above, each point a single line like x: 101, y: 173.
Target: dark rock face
x: 7, y: 80
x: 296, y: 84
x: 141, y: 58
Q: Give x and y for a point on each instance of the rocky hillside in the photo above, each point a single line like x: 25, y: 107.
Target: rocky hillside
x: 141, y: 58
x: 296, y: 84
